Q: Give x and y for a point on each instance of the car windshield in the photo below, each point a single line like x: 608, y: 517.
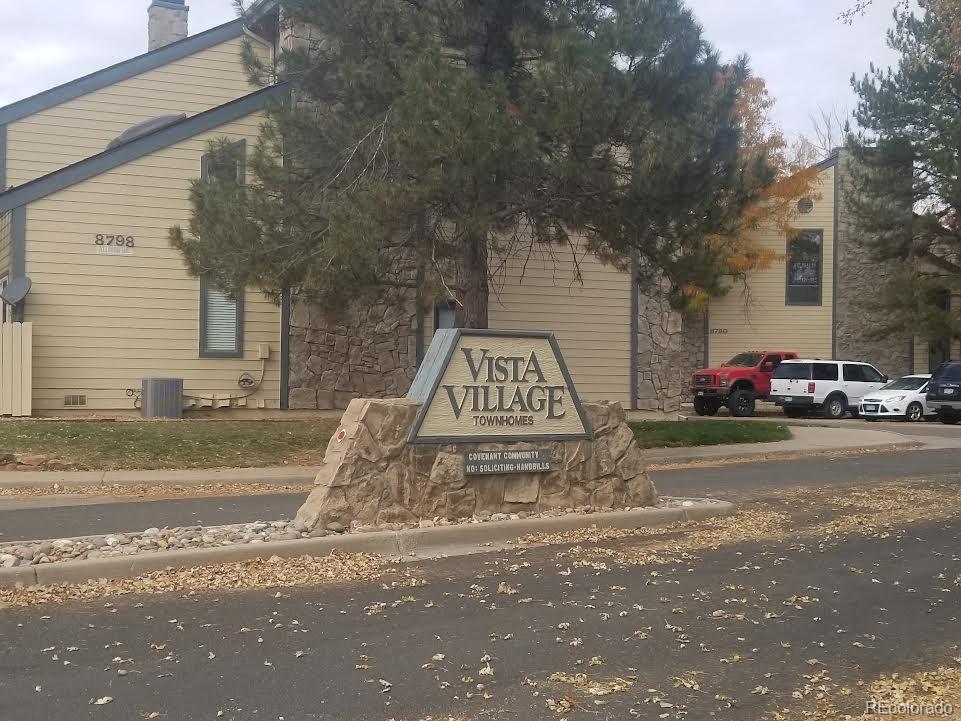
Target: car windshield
x: 748, y: 360
x: 793, y: 371
x: 905, y: 384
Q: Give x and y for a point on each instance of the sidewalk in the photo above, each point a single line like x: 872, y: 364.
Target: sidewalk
x: 280, y: 475
x: 807, y: 439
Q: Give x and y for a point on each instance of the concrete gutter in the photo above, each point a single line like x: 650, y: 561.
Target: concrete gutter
x: 438, y: 541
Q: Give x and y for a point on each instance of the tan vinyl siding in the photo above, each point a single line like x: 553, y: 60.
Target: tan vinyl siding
x: 759, y: 319
x: 102, y: 323
x: 591, y: 320
x: 54, y: 138
x: 6, y: 242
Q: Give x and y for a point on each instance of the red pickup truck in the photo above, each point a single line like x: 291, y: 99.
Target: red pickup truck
x: 737, y: 384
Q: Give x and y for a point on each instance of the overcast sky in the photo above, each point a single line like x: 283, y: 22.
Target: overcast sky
x: 804, y: 53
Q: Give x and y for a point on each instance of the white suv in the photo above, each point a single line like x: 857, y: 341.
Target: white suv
x: 832, y: 386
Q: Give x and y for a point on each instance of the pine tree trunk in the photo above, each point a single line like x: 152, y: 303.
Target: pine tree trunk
x: 471, y: 310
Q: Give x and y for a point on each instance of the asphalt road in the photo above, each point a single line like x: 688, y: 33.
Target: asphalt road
x: 731, y: 633
x: 729, y: 482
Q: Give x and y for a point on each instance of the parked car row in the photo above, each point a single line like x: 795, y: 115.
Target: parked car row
x: 829, y: 387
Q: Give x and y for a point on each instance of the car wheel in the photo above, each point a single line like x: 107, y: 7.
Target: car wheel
x: 741, y: 403
x: 949, y: 418
x: 792, y: 412
x: 914, y: 413
x: 705, y: 407
x: 834, y: 407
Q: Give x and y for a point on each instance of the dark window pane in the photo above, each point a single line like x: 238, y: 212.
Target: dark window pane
x: 853, y: 372
x: 747, y: 360
x: 805, y: 255
x: 825, y: 372
x: 445, y: 315
x: 793, y: 371
x: 871, y: 374
x: 951, y: 372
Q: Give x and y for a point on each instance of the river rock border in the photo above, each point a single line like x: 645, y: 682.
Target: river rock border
x: 250, y: 538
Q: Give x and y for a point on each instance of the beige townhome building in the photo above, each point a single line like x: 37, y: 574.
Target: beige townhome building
x: 97, y: 170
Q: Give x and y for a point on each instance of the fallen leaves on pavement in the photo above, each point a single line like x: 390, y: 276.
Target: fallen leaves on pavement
x: 254, y: 574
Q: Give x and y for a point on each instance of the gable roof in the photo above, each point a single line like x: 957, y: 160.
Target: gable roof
x: 144, y: 145
x: 121, y: 71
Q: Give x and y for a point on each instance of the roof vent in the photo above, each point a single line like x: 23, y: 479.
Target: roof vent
x: 146, y: 128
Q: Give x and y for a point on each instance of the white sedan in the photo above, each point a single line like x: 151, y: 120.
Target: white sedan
x: 902, y: 398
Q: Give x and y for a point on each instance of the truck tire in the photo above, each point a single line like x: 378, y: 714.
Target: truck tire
x: 794, y: 412
x: 834, y: 406
x: 949, y: 418
x: 706, y: 406
x: 741, y: 403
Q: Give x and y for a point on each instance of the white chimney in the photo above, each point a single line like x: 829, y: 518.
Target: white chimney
x: 166, y: 22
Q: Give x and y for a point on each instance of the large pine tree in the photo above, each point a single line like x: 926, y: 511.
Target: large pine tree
x: 426, y: 138
x: 907, y: 181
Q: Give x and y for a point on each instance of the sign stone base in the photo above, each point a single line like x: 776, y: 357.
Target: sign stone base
x: 373, y: 476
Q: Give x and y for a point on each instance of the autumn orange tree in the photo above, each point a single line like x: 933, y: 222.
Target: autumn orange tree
x: 775, y: 204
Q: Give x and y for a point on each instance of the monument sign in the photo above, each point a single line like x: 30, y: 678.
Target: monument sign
x: 495, y: 385
x: 492, y: 425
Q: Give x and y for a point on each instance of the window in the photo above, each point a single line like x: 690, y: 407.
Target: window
x: 774, y: 360
x: 444, y: 315
x: 825, y: 372
x: 744, y: 360
x: 908, y: 383
x: 804, y: 268
x: 228, y: 165
x: 793, y: 371
x: 854, y: 373
x: 948, y: 372
x: 872, y: 374
x: 221, y: 323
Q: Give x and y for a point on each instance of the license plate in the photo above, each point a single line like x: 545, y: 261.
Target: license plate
x: 788, y: 399
x: 871, y: 408
x: 700, y: 393
x: 948, y: 391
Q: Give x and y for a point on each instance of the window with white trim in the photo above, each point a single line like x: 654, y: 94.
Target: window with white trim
x: 221, y: 323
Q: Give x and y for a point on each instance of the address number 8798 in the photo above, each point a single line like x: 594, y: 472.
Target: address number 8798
x: 124, y: 240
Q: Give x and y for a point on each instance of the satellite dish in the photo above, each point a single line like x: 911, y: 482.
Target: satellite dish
x: 16, y: 290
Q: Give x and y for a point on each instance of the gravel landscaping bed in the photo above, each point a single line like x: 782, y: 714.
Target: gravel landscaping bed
x: 159, y: 540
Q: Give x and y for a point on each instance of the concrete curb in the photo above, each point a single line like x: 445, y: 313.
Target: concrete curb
x: 423, y: 542
x: 655, y: 461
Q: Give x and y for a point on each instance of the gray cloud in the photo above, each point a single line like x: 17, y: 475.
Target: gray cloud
x: 800, y: 48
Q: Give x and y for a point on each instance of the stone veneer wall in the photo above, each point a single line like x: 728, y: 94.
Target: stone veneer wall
x: 669, y: 349
x: 371, y: 352
x: 859, y: 276
x: 371, y: 475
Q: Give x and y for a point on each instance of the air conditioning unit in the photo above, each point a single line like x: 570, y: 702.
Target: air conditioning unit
x: 162, y: 398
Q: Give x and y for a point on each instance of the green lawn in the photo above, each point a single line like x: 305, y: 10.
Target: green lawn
x: 676, y: 434
x: 119, y: 445
x: 94, y: 445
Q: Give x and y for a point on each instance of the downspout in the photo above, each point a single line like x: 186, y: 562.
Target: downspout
x: 635, y: 309
x: 285, y: 350
x: 3, y: 157
x: 18, y: 252
x: 835, y: 254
